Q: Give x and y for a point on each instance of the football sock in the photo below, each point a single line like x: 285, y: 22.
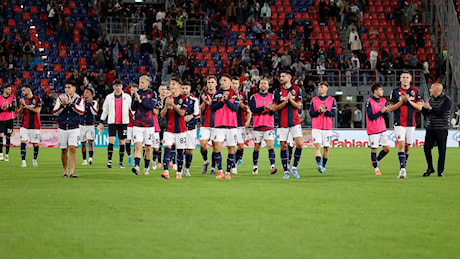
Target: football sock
x: 324, y: 162
x: 122, y: 153
x: 239, y: 155
x: 213, y: 160
x: 290, y: 153
x: 180, y: 159
x: 318, y: 160
x: 23, y: 151
x: 284, y: 159
x: 402, y: 159
x: 230, y: 161
x: 204, y: 154
x: 173, y: 154
x: 146, y: 163
x: 159, y: 155
x: 381, y: 155
x: 109, y: 152
x: 255, y: 157
x: 137, y: 161
x: 83, y: 155
x: 374, y: 159
x: 407, y: 157
x: 8, y: 143
x: 271, y: 156
x: 188, y: 160
x: 128, y: 148
x: 36, y: 148
x: 218, y: 158
x: 154, y: 156
x: 166, y: 158
x: 297, y: 154
x: 91, y: 154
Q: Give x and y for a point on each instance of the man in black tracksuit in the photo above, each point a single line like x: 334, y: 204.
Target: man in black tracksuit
x: 437, y: 113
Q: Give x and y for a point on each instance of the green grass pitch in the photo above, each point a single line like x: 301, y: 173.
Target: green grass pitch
x: 346, y: 213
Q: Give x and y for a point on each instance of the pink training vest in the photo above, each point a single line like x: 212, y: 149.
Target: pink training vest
x: 322, y: 121
x: 6, y: 115
x: 119, y: 110
x: 378, y: 125
x: 264, y: 119
x: 225, y: 116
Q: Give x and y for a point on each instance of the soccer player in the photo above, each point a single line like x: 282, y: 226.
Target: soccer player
x: 207, y: 126
x: 163, y: 93
x: 322, y: 109
x: 69, y: 107
x: 288, y: 101
x: 191, y: 119
x: 30, y: 107
x: 130, y: 90
x: 261, y: 105
x: 7, y: 115
x: 87, y: 130
x: 405, y: 101
x: 156, y: 146
x: 243, y: 113
x: 116, y: 110
x: 376, y: 106
x: 225, y: 104
x: 174, y: 111
x: 143, y: 103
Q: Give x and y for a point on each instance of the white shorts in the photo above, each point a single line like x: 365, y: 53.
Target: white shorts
x: 241, y: 135
x: 295, y: 131
x: 156, y: 140
x: 226, y: 134
x: 405, y: 133
x: 87, y: 132
x: 191, y: 139
x: 143, y: 135
x: 129, y: 134
x: 290, y: 140
x: 70, y: 137
x: 30, y: 135
x: 180, y: 139
x: 323, y: 137
x: 259, y: 136
x: 206, y: 133
x: 380, y: 139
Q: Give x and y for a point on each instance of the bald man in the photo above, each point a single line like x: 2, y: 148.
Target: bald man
x: 437, y: 114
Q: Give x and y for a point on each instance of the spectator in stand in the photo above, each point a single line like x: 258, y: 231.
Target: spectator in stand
x: 381, y: 72
x: 373, y: 58
x: 398, y: 15
x: 226, y: 34
x: 412, y: 61
x: 410, y: 42
x: 365, y: 68
x: 426, y: 70
x: 332, y: 9
x: 115, y: 46
x: 181, y: 49
x: 265, y: 12
x: 100, y: 59
x: 352, y: 35
x: 297, y: 67
x: 230, y: 13
x: 240, y: 14
x: 286, y: 61
x: 342, y: 6
x: 258, y: 29
x: 356, y: 46
x: 322, y: 10
x: 27, y: 51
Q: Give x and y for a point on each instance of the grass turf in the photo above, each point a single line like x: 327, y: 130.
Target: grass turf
x: 346, y: 213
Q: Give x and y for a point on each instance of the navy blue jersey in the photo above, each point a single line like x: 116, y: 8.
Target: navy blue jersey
x: 193, y: 108
x: 91, y: 109
x: 405, y: 114
x: 143, y: 109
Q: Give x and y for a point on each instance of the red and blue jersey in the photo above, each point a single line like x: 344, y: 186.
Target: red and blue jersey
x: 31, y: 120
x: 143, y: 109
x: 207, y: 116
x: 240, y: 114
x: 174, y: 122
x: 225, y: 110
x: 193, y: 108
x: 288, y: 116
x: 405, y: 114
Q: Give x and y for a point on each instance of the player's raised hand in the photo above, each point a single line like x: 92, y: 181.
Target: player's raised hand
x: 384, y: 109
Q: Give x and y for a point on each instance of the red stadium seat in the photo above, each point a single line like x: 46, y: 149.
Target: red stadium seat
x: 11, y: 22
x: 34, y: 9
x: 40, y: 68
x: 26, y: 75
x: 57, y: 68
x: 214, y: 49
x: 142, y: 70
x: 26, y: 16
x: 44, y: 82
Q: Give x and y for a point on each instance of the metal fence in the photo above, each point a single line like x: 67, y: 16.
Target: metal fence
x: 446, y: 26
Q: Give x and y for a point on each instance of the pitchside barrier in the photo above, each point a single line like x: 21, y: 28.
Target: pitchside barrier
x: 340, y: 138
